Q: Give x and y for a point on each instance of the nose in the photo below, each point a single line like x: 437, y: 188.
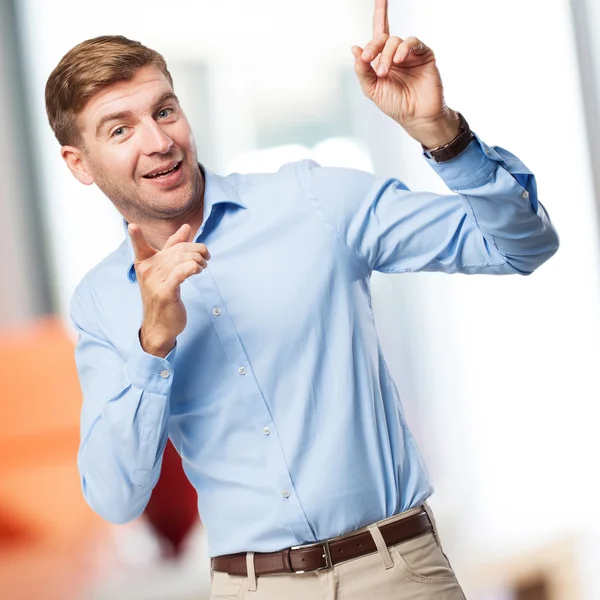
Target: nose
x: 155, y: 139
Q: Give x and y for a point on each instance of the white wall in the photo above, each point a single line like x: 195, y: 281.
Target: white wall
x: 508, y: 364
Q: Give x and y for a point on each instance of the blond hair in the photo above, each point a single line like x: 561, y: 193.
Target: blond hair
x: 86, y: 69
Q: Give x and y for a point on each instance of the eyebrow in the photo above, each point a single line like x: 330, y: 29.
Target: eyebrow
x: 127, y: 113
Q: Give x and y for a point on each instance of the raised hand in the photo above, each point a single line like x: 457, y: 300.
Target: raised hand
x: 160, y: 274
x: 401, y: 77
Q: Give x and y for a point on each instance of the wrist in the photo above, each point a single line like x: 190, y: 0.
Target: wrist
x: 434, y: 133
x: 155, y: 345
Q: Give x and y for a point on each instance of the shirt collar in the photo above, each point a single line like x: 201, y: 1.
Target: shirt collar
x: 216, y: 191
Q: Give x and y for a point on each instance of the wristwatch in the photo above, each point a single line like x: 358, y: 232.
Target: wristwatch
x: 456, y: 146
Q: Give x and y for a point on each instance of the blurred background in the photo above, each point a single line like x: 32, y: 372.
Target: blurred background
x: 498, y: 375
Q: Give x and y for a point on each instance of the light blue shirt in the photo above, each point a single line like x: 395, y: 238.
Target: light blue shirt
x: 277, y: 395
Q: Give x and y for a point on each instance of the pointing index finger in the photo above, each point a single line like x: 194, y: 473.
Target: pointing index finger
x: 141, y: 248
x: 380, y: 18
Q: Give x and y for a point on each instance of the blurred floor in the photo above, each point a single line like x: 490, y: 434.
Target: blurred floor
x: 141, y: 574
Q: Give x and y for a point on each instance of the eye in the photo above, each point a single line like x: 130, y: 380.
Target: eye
x: 116, y: 133
x: 161, y: 113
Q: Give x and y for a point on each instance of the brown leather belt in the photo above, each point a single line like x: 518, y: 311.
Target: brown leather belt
x: 324, y: 555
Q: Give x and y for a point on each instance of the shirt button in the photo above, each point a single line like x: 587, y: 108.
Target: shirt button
x: 266, y: 430
x: 526, y: 195
x: 285, y: 494
x: 216, y: 312
x: 242, y: 370
x: 487, y: 150
x: 164, y: 374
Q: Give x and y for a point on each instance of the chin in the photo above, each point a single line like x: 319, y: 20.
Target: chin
x: 178, y: 205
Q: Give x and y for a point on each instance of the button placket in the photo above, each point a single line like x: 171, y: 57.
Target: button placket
x: 252, y: 395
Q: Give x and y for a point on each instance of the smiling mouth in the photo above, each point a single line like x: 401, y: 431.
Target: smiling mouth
x: 164, y: 173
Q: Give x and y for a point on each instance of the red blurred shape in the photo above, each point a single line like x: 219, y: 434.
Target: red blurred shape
x: 173, y: 507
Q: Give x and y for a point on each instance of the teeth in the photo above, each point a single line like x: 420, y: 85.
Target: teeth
x: 162, y: 172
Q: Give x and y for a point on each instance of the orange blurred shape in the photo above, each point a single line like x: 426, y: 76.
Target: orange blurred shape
x: 46, y: 528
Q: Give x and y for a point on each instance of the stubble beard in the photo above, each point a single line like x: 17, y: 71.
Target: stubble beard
x: 137, y: 207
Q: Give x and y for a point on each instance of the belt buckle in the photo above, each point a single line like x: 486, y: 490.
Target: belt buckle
x: 326, y: 556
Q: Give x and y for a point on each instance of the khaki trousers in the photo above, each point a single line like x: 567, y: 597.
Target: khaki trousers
x: 413, y: 570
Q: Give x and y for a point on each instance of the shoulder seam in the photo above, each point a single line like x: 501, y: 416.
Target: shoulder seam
x: 315, y: 201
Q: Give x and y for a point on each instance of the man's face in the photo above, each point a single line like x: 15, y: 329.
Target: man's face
x: 131, y: 131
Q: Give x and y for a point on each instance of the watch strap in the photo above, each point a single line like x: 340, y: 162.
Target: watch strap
x: 456, y: 146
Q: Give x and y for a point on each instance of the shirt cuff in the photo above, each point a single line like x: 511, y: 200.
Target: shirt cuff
x: 473, y: 165
x: 149, y: 372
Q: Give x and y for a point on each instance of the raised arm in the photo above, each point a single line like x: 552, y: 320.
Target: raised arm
x: 492, y: 223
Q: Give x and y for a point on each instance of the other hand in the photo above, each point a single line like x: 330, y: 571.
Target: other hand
x: 160, y: 274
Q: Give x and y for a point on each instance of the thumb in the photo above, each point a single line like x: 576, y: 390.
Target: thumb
x: 365, y: 72
x: 183, y: 234
x: 141, y: 248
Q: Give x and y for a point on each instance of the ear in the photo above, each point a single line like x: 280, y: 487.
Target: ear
x: 75, y: 161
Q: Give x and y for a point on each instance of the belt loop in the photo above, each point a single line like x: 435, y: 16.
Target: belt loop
x: 287, y: 561
x: 388, y: 563
x: 251, y: 573
x: 432, y: 521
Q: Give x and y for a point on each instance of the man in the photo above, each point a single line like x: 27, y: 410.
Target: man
x: 259, y: 358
